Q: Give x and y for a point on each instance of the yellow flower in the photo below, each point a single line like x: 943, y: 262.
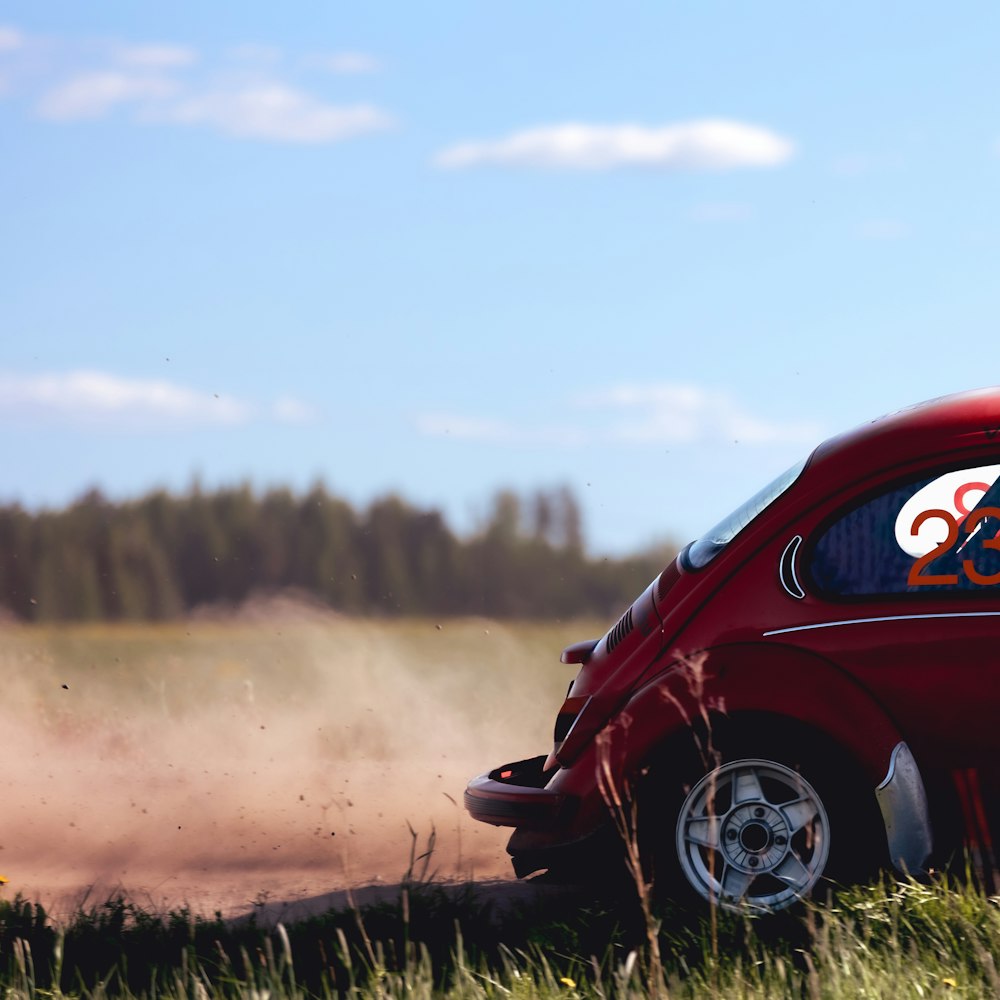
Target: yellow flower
x: 948, y: 981
x: 566, y: 981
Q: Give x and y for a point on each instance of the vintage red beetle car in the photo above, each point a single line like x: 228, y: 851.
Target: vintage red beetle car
x: 809, y: 690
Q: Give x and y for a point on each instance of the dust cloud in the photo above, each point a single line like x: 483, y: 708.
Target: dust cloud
x: 219, y: 764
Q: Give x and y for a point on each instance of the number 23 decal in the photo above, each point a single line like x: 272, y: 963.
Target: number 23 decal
x: 918, y: 578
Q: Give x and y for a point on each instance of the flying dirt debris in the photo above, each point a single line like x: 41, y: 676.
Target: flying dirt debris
x: 162, y: 778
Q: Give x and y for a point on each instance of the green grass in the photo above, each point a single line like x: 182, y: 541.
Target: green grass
x: 893, y: 940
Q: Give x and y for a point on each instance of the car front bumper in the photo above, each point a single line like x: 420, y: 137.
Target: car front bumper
x: 516, y: 795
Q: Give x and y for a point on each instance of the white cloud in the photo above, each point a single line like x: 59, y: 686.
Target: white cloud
x: 707, y: 144
x: 686, y: 414
x: 241, y: 93
x: 646, y: 413
x: 347, y: 63
x: 277, y: 112
x: 94, y: 95
x: 10, y: 38
x: 271, y: 111
x: 157, y: 56
x: 288, y: 410
x: 102, y: 398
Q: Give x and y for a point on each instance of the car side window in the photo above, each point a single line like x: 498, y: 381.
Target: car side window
x: 938, y: 533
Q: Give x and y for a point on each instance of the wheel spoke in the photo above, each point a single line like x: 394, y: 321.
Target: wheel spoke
x: 793, y: 872
x: 798, y: 814
x: 746, y: 787
x: 735, y: 883
x: 704, y: 832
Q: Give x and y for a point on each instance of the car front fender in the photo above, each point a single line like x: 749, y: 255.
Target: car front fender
x: 760, y: 678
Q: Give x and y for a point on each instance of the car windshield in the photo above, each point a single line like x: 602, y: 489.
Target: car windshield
x: 706, y: 548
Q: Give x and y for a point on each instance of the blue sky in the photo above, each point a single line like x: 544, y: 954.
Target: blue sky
x: 652, y: 251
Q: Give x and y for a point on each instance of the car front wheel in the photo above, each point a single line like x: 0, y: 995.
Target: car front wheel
x: 752, y: 834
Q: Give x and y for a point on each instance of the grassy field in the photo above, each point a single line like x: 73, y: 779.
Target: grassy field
x: 893, y: 940
x: 464, y: 665
x: 221, y: 765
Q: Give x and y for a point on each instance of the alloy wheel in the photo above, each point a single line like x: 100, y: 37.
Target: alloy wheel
x: 753, y: 834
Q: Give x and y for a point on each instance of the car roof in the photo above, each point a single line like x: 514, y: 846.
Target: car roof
x: 936, y: 427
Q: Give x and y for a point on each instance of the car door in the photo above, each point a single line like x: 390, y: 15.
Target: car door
x: 906, y: 580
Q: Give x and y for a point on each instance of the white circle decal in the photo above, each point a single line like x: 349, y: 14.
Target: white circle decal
x: 956, y: 493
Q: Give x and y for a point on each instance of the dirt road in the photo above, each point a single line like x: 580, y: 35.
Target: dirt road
x: 216, y: 767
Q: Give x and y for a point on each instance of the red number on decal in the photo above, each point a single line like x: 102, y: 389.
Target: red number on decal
x: 915, y: 578
x: 984, y: 580
x: 963, y: 491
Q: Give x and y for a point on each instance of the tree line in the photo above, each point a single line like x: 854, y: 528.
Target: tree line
x: 163, y: 555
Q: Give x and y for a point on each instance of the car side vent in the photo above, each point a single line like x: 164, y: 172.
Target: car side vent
x: 665, y: 581
x: 621, y: 630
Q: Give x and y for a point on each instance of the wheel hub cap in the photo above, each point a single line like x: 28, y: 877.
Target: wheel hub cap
x: 755, y: 838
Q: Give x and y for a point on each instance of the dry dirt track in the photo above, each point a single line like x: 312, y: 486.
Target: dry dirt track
x: 221, y: 765
x: 201, y: 839
x: 287, y: 896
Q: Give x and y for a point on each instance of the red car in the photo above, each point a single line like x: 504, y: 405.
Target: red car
x: 810, y: 690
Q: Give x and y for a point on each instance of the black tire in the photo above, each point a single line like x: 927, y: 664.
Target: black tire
x: 760, y: 816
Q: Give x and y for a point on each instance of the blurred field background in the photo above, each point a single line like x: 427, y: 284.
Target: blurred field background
x: 275, y: 754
